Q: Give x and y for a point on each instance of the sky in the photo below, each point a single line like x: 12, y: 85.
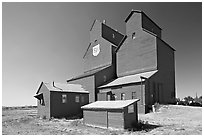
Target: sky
x: 47, y: 41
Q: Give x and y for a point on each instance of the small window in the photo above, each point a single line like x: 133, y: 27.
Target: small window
x: 77, y: 99
x: 82, y: 99
x: 133, y: 35
x: 104, y: 78
x: 131, y: 109
x: 64, y: 98
x: 113, y: 35
x: 133, y: 95
x: 42, y: 102
x: 122, y: 96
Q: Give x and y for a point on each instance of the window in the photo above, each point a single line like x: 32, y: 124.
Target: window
x: 133, y: 95
x: 131, y: 109
x: 82, y: 99
x: 122, y: 96
x: 113, y: 35
x: 42, y: 102
x: 77, y: 99
x: 64, y: 98
x: 104, y: 78
x: 133, y: 35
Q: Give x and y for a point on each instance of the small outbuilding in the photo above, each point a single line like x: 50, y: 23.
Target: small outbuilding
x: 120, y: 114
x: 60, y: 100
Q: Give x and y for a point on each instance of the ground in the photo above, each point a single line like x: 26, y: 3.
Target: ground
x: 168, y: 120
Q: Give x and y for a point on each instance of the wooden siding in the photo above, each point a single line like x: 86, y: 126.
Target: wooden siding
x: 88, y: 84
x: 128, y: 90
x: 134, y: 24
x: 166, y: 67
x: 44, y: 110
x: 149, y: 25
x: 137, y: 55
x: 70, y: 108
x: 96, y: 118
x: 115, y: 119
x: 130, y: 119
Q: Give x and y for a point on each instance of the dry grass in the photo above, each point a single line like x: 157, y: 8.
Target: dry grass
x: 169, y: 119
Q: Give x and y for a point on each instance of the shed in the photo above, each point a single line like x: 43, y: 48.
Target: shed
x: 60, y: 100
x: 120, y: 114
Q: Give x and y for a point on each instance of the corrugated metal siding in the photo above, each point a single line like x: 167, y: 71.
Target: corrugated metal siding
x: 96, y: 118
x: 137, y: 55
x: 70, y: 108
x: 88, y: 83
x: 44, y: 110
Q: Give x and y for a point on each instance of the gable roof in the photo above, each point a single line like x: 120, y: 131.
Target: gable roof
x: 89, y: 73
x: 117, y: 104
x: 129, y: 79
x: 63, y: 87
x: 139, y: 11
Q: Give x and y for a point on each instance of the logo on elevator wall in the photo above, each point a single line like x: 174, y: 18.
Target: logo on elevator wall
x: 96, y: 50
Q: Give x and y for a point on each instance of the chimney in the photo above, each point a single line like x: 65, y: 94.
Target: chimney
x: 53, y: 84
x: 104, y: 21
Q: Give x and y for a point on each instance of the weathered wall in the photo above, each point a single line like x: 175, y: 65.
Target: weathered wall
x: 44, y: 110
x: 88, y: 83
x: 70, y: 108
x: 139, y: 54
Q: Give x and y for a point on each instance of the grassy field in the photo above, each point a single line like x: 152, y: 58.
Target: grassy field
x: 169, y: 120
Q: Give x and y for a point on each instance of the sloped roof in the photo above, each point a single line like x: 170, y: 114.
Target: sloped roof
x: 118, y: 104
x: 89, y: 73
x: 129, y: 79
x: 63, y: 87
x: 139, y: 11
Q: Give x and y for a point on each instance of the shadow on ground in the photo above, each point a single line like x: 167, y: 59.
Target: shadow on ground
x: 143, y: 126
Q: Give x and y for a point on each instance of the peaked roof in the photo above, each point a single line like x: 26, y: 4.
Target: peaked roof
x: 130, y: 79
x: 63, y: 87
x: 89, y: 73
x: 139, y: 11
x: 118, y: 104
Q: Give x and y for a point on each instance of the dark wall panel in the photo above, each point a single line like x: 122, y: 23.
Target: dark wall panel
x: 149, y: 25
x: 70, y: 108
x: 111, y: 35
